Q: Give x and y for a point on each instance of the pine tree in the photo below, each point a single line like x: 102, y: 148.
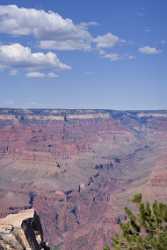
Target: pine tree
x: 144, y: 230
x: 106, y: 248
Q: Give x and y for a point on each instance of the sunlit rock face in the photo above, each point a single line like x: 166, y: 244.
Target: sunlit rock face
x: 78, y: 168
x: 22, y: 231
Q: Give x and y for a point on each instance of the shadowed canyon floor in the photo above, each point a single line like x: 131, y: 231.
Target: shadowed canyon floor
x: 78, y: 168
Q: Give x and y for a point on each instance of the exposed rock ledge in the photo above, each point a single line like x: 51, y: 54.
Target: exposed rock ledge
x: 22, y: 231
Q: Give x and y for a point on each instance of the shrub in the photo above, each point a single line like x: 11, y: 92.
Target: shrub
x: 145, y: 229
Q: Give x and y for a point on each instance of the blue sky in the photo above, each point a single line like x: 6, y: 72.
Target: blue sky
x: 83, y: 54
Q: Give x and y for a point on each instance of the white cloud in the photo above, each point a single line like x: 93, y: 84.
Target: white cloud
x: 64, y: 45
x: 109, y: 55
x: 149, y: 50
x: 44, y: 25
x: 36, y: 74
x: 15, y: 56
x: 52, y: 75
x: 106, y: 41
x: 112, y: 56
x: 51, y: 32
x: 89, y: 24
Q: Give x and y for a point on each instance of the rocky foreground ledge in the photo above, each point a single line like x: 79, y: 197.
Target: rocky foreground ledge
x: 22, y: 231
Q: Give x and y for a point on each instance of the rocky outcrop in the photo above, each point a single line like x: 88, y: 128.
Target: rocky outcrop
x: 22, y: 231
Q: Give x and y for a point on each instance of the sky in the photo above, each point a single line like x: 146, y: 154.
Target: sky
x: 83, y: 54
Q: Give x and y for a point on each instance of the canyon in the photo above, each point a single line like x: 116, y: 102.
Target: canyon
x: 79, y: 168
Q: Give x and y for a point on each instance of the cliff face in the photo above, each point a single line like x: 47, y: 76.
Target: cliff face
x: 22, y: 231
x: 78, y: 168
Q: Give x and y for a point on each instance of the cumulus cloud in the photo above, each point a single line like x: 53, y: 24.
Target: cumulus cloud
x: 106, y: 41
x: 149, y: 50
x: 44, y: 25
x: 51, y: 32
x: 16, y: 56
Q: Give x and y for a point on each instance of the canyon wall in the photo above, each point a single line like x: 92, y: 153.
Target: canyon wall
x: 78, y: 168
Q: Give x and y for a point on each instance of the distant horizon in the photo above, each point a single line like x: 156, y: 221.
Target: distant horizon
x: 98, y: 109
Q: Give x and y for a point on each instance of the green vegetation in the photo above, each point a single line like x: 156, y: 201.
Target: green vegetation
x: 144, y: 229
x: 106, y: 248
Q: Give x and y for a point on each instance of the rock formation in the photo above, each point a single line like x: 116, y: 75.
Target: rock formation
x: 22, y: 231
